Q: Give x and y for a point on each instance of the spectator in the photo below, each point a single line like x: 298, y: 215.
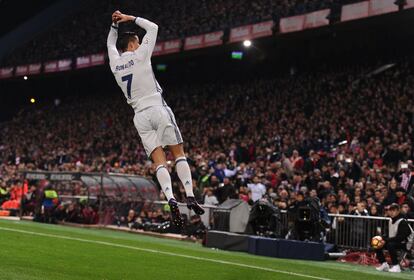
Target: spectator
x: 406, y: 178
x: 406, y: 211
x: 130, y: 220
x: 72, y: 214
x: 226, y: 191
x: 373, y: 210
x: 257, y: 189
x: 400, y: 196
x: 296, y: 160
x: 360, y: 210
x: 30, y: 201
x: 243, y: 194
x: 210, y: 198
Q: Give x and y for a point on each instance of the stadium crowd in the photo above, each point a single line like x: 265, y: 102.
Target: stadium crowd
x: 338, y: 135
x: 82, y: 34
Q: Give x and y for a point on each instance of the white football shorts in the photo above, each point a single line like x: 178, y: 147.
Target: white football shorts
x: 157, y: 127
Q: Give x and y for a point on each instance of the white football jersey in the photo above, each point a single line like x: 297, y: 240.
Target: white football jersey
x: 133, y: 71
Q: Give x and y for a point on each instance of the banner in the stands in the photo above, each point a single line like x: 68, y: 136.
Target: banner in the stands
x: 355, y: 11
x: 262, y: 29
x: 172, y: 46
x: 98, y: 59
x: 292, y: 24
x: 213, y: 39
x: 167, y: 47
x: 35, y: 68
x: 64, y: 64
x: 90, y: 60
x: 158, y: 49
x: 83, y: 62
x: 317, y: 19
x: 6, y: 72
x: 50, y: 66
x: 194, y: 42
x: 21, y: 70
x: 379, y: 7
x: 252, y: 31
x: 409, y: 4
x: 203, y: 41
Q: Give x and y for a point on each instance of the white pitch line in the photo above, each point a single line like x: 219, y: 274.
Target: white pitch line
x: 163, y: 253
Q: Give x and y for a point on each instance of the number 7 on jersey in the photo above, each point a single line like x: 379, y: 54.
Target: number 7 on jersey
x: 128, y: 79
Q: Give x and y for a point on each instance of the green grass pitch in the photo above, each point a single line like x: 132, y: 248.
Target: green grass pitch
x: 37, y: 251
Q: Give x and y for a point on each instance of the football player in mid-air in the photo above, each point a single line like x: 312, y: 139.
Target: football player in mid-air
x: 153, y: 119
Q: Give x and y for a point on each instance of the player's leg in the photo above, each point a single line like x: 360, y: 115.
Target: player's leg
x: 381, y: 258
x: 184, y: 173
x: 154, y: 150
x: 169, y: 135
x: 164, y: 178
x: 161, y: 171
x: 182, y: 168
x: 392, y: 248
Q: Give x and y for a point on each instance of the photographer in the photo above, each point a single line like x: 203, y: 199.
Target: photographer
x: 398, y: 232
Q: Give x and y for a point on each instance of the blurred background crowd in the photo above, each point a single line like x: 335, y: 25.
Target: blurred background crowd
x: 341, y: 136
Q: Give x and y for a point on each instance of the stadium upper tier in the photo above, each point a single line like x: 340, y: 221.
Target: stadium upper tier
x: 86, y: 32
x: 254, y: 127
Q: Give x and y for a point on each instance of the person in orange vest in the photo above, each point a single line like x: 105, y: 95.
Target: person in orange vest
x: 18, y: 189
x: 14, y: 198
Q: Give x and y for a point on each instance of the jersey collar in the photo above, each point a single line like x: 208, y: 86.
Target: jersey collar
x: 126, y: 53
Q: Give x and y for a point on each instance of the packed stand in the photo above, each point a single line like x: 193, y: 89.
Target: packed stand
x: 323, y: 134
x: 85, y: 33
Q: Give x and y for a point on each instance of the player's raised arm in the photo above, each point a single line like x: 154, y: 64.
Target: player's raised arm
x: 112, y: 37
x: 150, y: 38
x: 148, y: 42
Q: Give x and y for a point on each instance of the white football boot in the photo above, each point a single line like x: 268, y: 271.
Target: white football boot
x: 383, y: 267
x: 395, y: 269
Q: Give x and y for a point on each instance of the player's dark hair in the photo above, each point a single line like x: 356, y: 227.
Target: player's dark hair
x: 124, y: 40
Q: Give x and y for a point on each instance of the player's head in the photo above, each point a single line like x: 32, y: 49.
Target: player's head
x: 128, y: 42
